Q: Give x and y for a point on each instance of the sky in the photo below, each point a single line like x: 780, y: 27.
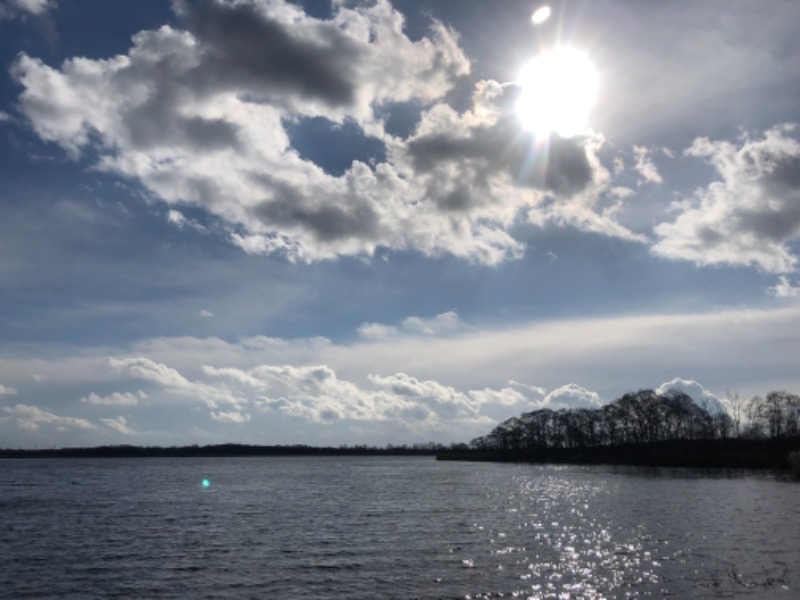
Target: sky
x: 346, y: 222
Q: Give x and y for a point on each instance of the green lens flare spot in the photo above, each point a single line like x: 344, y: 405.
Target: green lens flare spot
x: 206, y: 483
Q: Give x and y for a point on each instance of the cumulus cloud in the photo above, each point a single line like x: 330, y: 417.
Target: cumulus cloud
x: 7, y: 391
x: 114, y: 399
x: 120, y: 425
x: 571, y: 396
x: 316, y: 393
x: 480, y: 163
x: 751, y: 215
x: 701, y: 396
x: 515, y: 394
x: 32, y: 417
x: 198, y: 114
x: 428, y: 397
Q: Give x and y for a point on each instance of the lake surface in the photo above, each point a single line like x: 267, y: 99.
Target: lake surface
x: 385, y: 527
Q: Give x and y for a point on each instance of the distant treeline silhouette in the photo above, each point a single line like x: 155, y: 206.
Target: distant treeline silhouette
x: 649, y: 428
x: 127, y: 451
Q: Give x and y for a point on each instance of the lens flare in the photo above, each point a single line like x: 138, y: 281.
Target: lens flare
x: 206, y: 483
x: 541, y: 15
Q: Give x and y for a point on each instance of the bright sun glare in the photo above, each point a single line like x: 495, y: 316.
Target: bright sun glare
x: 540, y: 15
x: 558, y: 91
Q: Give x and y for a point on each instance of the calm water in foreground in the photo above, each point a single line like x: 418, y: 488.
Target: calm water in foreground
x: 390, y: 528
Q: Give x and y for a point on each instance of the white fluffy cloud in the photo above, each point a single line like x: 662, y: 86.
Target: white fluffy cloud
x: 316, y: 393
x: 175, y: 383
x: 571, y: 396
x: 701, y: 396
x: 748, y: 217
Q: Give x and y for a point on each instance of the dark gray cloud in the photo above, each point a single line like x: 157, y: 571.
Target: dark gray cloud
x: 335, y: 219
x: 150, y: 129
x: 245, y: 47
x: 560, y: 165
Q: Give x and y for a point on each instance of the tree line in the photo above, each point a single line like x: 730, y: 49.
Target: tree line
x: 646, y: 417
x: 220, y: 450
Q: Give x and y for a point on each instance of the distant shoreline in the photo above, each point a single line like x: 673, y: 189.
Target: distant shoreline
x: 219, y: 450
x: 704, y: 454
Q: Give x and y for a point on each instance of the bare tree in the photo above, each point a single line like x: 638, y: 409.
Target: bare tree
x: 737, y: 406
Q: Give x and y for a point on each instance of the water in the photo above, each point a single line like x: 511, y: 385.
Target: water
x: 390, y: 528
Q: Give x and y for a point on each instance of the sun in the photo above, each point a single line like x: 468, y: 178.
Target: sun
x: 558, y: 91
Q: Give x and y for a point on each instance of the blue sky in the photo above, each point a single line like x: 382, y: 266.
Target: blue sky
x: 325, y: 223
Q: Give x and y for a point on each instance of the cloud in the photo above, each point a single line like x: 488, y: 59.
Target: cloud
x: 32, y: 417
x: 410, y: 386
x: 197, y: 114
x: 231, y: 416
x: 21, y: 8
x: 7, y: 391
x: 316, y: 393
x: 480, y: 163
x: 701, y: 396
x: 180, y: 221
x: 120, y: 425
x: 571, y: 396
x: 784, y: 288
x: 313, y: 393
x: 428, y: 398
x: 514, y: 395
x: 205, y: 313
x: 114, y: 399
x: 751, y: 215
x: 173, y: 382
x: 376, y: 331
x: 441, y: 324
x: 445, y: 323
x: 648, y: 172
x: 192, y: 116
x: 4, y: 116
